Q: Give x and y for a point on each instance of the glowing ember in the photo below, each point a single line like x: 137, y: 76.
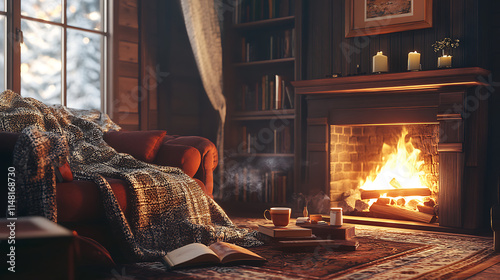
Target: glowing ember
x: 401, y: 170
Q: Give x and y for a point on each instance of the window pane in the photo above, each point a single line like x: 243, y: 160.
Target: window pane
x: 50, y: 10
x: 41, y: 62
x: 2, y: 5
x: 83, y: 68
x: 85, y: 14
x: 2, y: 53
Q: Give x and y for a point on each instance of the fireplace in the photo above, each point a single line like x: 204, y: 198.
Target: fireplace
x: 395, y: 167
x: 351, y: 124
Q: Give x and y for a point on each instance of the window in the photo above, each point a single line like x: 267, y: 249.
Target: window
x: 63, y: 50
x: 3, y: 43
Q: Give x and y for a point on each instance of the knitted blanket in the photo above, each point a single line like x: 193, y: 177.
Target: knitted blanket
x: 168, y: 208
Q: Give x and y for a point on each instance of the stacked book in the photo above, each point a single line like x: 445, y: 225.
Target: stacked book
x: 297, y: 237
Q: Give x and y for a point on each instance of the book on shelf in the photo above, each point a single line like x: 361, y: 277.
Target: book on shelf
x: 277, y: 182
x: 236, y: 181
x: 268, y: 47
x: 219, y: 253
x: 244, y: 184
x: 288, y: 231
x: 290, y: 97
x: 278, y: 186
x: 280, y: 142
x: 252, y: 184
x: 254, y: 10
x: 271, y: 92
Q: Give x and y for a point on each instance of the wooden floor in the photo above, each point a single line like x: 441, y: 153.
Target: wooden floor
x: 487, y: 271
x: 488, y: 274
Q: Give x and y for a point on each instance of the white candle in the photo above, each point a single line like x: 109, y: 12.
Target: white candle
x: 413, y: 61
x: 380, y: 63
x: 336, y: 218
x: 444, y: 61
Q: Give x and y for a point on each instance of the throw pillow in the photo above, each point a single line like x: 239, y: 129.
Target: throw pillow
x: 63, y: 173
x: 143, y: 145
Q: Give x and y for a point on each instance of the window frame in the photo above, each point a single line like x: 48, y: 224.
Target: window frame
x: 13, y: 47
x: 6, y: 43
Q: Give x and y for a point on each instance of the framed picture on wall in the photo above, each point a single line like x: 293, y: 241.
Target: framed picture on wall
x: 372, y: 17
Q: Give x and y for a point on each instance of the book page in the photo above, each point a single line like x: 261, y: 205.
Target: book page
x: 191, y: 254
x: 229, y: 252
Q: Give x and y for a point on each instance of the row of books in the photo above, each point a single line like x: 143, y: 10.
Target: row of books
x: 254, y: 185
x: 275, y: 46
x: 254, y: 10
x: 270, y: 93
x: 259, y: 141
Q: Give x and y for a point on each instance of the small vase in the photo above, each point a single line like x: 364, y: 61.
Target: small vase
x: 444, y: 61
x: 305, y: 213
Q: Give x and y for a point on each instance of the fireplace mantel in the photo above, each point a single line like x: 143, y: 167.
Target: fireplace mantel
x: 454, y: 98
x: 418, y: 80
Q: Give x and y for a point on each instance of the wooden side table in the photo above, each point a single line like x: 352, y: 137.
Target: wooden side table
x: 35, y: 248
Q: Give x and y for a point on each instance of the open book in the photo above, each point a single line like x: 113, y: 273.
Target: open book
x: 196, y: 254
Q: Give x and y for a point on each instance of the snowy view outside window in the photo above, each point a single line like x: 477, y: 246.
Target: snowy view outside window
x: 42, y: 54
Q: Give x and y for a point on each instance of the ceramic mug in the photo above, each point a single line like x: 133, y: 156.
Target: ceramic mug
x: 280, y: 216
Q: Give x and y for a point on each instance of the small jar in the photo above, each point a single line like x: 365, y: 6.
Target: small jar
x: 336, y: 216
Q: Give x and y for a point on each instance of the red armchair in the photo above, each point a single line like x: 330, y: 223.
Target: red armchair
x: 78, y: 202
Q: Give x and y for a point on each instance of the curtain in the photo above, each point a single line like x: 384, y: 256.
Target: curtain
x: 202, y: 24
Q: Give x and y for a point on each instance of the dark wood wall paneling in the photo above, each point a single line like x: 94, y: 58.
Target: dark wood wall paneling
x: 149, y: 76
x: 124, y: 105
x: 183, y: 105
x: 327, y: 51
x: 492, y: 28
x: 156, y: 81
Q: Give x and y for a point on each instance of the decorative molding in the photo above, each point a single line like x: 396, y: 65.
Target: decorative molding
x: 317, y: 147
x: 449, y: 117
x: 393, y: 82
x: 317, y: 121
x: 450, y: 147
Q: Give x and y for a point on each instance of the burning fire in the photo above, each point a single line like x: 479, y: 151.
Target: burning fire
x: 401, y: 170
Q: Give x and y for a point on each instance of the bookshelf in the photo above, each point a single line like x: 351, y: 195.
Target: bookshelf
x: 261, y: 47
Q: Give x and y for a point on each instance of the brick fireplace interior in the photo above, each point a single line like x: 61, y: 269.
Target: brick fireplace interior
x: 352, y: 122
x: 359, y: 154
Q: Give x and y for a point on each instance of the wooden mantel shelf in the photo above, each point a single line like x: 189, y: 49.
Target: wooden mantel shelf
x: 418, y: 80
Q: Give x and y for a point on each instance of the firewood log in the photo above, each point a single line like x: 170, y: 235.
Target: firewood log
x: 384, y: 200
x: 369, y: 194
x: 426, y: 209
x: 388, y: 211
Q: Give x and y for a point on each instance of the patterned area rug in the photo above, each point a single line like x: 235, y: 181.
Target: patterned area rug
x: 383, y: 253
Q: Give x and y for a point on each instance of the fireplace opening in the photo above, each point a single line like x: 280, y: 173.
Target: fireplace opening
x: 386, y: 171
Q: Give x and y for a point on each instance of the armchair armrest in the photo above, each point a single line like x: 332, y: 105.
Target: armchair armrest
x: 185, y: 157
x: 209, y: 157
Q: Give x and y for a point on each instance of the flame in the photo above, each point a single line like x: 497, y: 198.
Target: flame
x: 402, y: 169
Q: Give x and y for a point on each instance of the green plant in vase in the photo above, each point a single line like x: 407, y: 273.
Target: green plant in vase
x: 445, y: 46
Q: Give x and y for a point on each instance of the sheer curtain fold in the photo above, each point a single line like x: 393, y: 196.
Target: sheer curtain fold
x: 203, y: 29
